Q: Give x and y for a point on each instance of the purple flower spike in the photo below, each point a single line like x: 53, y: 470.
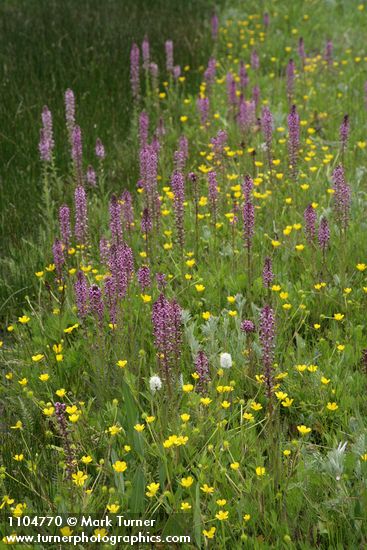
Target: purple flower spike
x: 115, y: 220
x: 77, y: 152
x: 342, y: 198
x: 99, y: 150
x: 81, y: 294
x: 267, y: 130
x: 324, y: 234
x: 143, y: 275
x: 65, y: 228
x: 70, y: 112
x: 267, y: 335
x: 290, y: 79
x: 215, y: 26
x: 203, y: 108
x: 135, y: 71
x: 169, y: 55
x: 268, y: 274
x: 293, y: 139
x: 91, y: 176
x: 178, y: 188
x: 46, y: 143
x: 310, y: 217
x: 202, y: 369
x: 95, y: 302
x: 145, y: 49
x: 344, y: 132
x: 166, y: 319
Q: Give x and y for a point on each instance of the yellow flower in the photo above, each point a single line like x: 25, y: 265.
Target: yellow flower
x: 281, y: 395
x: 225, y: 404
x: 361, y: 267
x: 222, y: 515
x: 286, y: 452
x: 86, y: 459
x: 61, y: 392
x: 221, y: 502
x: 248, y: 416
x: 185, y: 417
x: 206, y: 489
x: 18, y: 458
x: 79, y: 478
x: 185, y: 506
x: 209, y: 534
x: 275, y: 243
x: 325, y: 380
x: 100, y: 532
x: 119, y: 466
x: 39, y: 274
x: 338, y: 316
x: 146, y: 298
x: 287, y: 402
x: 17, y: 426
x: 49, y: 411
x: 187, y: 388
x: 256, y: 406
x: 139, y: 427
x: 200, y: 288
x: 152, y: 489
x: 206, y: 315
x: 122, y: 363
x: 68, y: 330
x: 205, y: 401
x: 23, y: 382
x: 364, y: 457
x: 235, y: 465
x: 187, y: 481
x: 190, y: 263
x: 183, y: 118
x: 303, y: 430
x: 66, y: 531
x: 37, y: 358
x: 332, y: 406
x: 24, y: 319
x: 113, y: 508
x: 44, y: 377
x: 260, y: 471
x: 74, y: 418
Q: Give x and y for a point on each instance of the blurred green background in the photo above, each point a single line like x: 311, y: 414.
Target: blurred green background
x: 47, y: 46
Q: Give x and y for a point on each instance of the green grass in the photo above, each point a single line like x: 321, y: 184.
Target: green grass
x: 285, y: 470
x: 47, y: 47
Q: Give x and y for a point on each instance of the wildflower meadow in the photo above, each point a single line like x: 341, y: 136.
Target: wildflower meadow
x: 195, y: 350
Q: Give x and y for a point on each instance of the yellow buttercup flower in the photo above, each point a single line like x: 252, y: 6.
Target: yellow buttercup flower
x: 119, y: 466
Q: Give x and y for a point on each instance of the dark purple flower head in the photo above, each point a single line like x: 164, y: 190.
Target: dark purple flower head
x: 248, y: 326
x: 310, y: 217
x: 256, y: 95
x: 146, y: 222
x: 301, y: 49
x: 104, y: 251
x: 77, y: 152
x: 266, y: 20
x: 111, y: 298
x: 268, y: 274
x: 64, y: 221
x: 219, y: 142
x: 127, y: 210
x: 248, y: 222
x: 161, y: 281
